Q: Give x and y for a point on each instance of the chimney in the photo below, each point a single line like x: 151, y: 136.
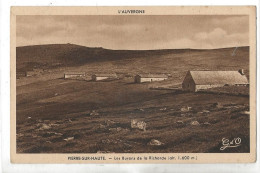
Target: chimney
x: 241, y: 71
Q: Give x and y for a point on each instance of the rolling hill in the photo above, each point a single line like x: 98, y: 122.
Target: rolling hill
x: 72, y: 55
x: 164, y: 61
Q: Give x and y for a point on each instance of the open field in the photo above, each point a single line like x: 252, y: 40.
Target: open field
x: 50, y: 112
x: 76, y: 116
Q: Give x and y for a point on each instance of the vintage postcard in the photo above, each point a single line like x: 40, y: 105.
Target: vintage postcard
x: 133, y: 84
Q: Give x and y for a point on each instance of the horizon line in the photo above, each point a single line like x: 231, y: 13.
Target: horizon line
x: 131, y: 49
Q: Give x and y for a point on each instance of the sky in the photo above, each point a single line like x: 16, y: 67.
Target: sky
x: 138, y: 32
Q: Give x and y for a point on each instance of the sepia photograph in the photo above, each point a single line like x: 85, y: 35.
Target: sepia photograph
x: 133, y: 83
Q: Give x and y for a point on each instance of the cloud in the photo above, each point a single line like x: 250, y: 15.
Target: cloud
x: 135, y: 32
x: 232, y: 24
x: 213, y: 35
x: 220, y: 38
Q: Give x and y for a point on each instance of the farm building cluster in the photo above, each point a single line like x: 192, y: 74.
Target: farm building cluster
x: 193, y: 81
x: 139, y: 78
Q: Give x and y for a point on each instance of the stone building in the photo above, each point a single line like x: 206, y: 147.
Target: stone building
x: 199, y: 80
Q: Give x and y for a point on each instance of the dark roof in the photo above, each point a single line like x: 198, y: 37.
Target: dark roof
x: 218, y: 77
x: 152, y: 75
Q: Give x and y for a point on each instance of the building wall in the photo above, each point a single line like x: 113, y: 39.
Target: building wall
x: 140, y: 79
x: 145, y: 80
x: 101, y: 78
x: 241, y: 84
x: 203, y: 87
x: 137, y: 79
x: 97, y: 78
x: 188, y: 83
x: 66, y: 76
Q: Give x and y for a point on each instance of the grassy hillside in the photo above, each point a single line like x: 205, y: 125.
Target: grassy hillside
x: 130, y: 61
x: 51, y: 110
x: 47, y: 56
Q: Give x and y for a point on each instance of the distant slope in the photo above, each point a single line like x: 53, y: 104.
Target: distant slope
x: 168, y: 60
x: 47, y: 56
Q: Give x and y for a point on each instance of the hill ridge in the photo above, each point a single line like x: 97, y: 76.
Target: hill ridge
x: 72, y: 55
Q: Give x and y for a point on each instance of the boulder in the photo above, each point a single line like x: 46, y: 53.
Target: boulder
x: 206, y: 111
x: 155, y: 142
x: 110, y: 122
x: 69, y: 139
x: 135, y: 124
x: 141, y: 109
x: 185, y: 109
x: 245, y: 113
x: 206, y: 124
x: 44, y: 127
x: 195, y: 123
x: 217, y: 105
x: 179, y: 122
x: 94, y: 113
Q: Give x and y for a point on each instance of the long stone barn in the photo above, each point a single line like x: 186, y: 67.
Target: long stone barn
x: 140, y: 78
x: 68, y: 75
x: 98, y: 77
x: 200, y: 80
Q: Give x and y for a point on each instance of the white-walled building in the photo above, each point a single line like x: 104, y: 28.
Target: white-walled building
x: 140, y: 78
x: 68, y: 75
x: 98, y: 77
